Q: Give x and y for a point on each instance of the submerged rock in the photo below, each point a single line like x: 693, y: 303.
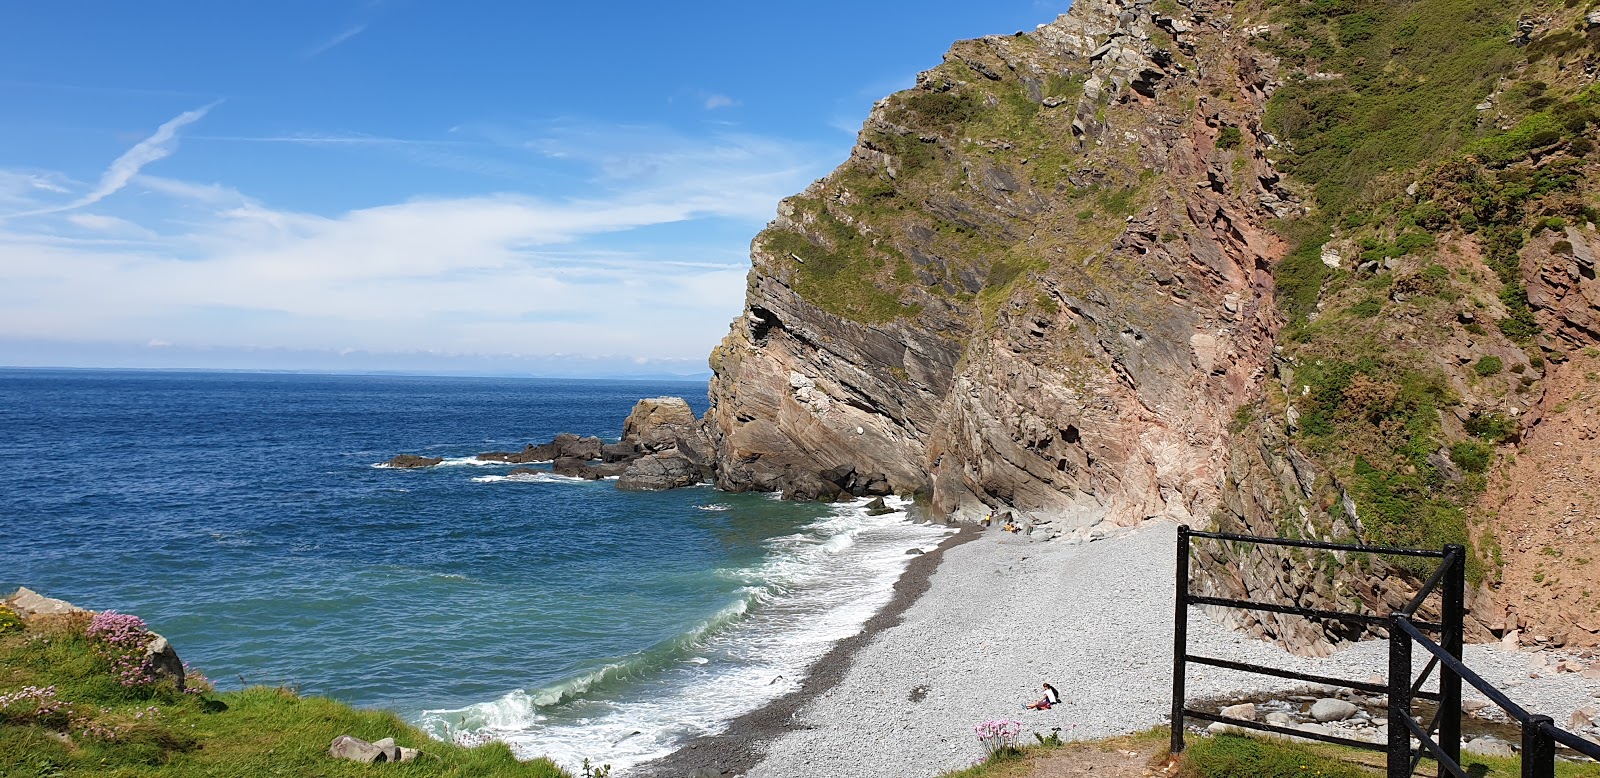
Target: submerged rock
x: 411, y: 461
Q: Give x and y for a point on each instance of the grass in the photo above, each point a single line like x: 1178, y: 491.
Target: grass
x: 1242, y: 756
x: 98, y: 727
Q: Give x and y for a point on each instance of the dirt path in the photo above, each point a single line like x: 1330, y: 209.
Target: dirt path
x: 1136, y: 756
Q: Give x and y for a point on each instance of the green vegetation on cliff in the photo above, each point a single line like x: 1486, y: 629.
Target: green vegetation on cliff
x: 1417, y: 123
x: 64, y: 712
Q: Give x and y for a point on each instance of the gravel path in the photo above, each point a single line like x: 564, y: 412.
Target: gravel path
x: 1005, y: 613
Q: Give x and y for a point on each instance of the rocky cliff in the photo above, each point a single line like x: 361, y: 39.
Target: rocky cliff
x: 1266, y: 266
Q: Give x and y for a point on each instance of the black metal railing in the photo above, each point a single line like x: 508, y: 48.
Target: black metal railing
x: 1440, y: 738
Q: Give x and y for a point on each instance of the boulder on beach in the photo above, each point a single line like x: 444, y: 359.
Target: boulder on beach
x: 411, y: 461
x: 1329, y: 709
x: 1245, y: 711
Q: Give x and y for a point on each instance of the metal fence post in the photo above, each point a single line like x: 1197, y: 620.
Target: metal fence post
x: 1399, y: 751
x: 1538, y: 749
x: 1453, y: 614
x: 1180, y: 637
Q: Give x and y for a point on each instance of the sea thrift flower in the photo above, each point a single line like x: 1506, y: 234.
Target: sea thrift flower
x: 998, y: 736
x: 121, y: 639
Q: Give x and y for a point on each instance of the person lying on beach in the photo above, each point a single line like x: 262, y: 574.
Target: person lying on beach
x: 1051, y: 697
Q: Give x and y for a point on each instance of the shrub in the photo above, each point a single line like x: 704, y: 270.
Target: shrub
x: 1493, y: 427
x: 1471, y: 457
x: 1488, y: 366
x: 1229, y: 138
x: 9, y: 620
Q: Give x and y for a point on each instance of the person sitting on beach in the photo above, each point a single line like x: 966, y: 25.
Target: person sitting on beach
x: 1051, y: 697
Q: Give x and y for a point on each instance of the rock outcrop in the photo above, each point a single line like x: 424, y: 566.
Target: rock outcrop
x: 673, y: 448
x: 564, y: 446
x: 1049, y: 329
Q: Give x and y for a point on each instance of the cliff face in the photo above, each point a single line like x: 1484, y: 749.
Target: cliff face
x: 1064, y: 275
x: 996, y: 302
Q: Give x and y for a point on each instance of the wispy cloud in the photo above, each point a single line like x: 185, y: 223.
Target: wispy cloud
x: 159, y: 145
x: 314, y: 139
x: 715, y: 101
x: 506, y: 273
x: 328, y: 44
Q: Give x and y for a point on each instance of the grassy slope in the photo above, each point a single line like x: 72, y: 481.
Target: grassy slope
x: 255, y: 732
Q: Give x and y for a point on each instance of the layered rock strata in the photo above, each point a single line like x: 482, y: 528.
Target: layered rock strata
x: 1049, y: 327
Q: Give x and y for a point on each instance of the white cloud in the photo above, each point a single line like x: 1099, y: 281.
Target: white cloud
x: 159, y: 145
x: 714, y: 101
x: 344, y: 35
x: 601, y: 273
x: 109, y: 224
x: 480, y: 275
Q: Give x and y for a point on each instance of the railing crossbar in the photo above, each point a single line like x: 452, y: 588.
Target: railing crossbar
x: 1429, y: 586
x: 1289, y: 609
x: 1256, y: 725
x: 1317, y: 544
x: 1292, y: 610
x: 1326, y: 680
x: 1473, y: 679
x: 1416, y: 688
x: 1428, y: 745
x: 1572, y: 741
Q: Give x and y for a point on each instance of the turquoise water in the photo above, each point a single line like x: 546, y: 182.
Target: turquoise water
x: 244, y: 517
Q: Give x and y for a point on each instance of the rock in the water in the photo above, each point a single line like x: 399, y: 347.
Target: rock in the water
x: 565, y: 445
x: 411, y: 461
x: 573, y: 467
x: 876, y: 485
x: 1244, y: 710
x: 619, y: 452
x: 658, y: 423
x: 666, y: 470
x: 357, y: 750
x: 1328, y: 709
x: 878, y: 507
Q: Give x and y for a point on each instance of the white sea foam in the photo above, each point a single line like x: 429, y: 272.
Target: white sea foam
x: 530, y: 478
x: 716, y: 506
x: 467, y: 461
x: 814, y: 588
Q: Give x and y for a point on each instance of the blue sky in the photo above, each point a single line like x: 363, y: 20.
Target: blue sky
x: 415, y: 185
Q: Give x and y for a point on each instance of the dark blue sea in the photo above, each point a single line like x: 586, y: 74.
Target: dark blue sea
x: 243, y: 516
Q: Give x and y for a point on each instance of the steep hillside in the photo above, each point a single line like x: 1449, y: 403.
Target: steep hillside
x: 1286, y: 267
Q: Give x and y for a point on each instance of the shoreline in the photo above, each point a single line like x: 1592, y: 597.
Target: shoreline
x: 739, y: 747
x: 998, y: 616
